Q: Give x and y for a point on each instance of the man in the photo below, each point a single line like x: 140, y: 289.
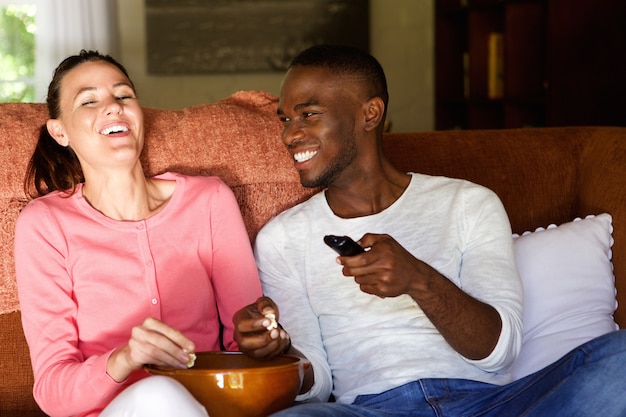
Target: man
x: 425, y: 322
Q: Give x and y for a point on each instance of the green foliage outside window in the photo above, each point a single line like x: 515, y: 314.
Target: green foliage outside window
x: 17, y: 53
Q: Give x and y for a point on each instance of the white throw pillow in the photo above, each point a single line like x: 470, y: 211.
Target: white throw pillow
x: 569, y: 289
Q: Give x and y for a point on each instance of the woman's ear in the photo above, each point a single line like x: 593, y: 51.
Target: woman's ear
x: 55, y: 129
x: 374, y: 113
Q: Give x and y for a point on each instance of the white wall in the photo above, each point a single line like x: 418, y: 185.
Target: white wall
x: 401, y: 37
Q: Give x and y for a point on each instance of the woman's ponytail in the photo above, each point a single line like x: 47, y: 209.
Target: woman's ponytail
x: 51, y: 167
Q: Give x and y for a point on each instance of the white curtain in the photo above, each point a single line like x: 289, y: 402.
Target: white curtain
x: 64, y: 27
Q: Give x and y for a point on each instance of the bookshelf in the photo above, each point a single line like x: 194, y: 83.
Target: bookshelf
x: 490, y: 63
x: 525, y: 63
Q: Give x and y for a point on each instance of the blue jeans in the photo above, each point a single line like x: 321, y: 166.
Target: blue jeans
x: 588, y: 381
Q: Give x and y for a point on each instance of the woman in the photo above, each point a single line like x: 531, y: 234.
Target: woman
x: 116, y: 270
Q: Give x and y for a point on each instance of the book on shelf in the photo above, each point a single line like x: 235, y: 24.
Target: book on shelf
x: 495, y: 66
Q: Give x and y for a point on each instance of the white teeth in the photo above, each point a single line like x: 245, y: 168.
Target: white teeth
x: 114, y: 129
x: 304, y: 156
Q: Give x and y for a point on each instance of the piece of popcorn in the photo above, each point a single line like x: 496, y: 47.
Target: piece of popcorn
x: 273, y: 322
x: 192, y: 360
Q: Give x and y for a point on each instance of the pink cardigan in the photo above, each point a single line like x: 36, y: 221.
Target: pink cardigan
x: 85, y: 280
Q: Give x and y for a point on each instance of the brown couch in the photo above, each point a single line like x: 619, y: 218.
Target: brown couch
x: 543, y: 176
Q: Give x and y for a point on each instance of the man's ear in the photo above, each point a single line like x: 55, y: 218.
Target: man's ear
x: 55, y: 128
x: 374, y: 113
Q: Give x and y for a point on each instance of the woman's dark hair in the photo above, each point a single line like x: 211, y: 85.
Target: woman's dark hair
x: 52, y: 166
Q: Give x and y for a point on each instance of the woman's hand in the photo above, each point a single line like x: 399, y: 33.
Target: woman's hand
x: 256, y: 333
x: 152, y: 342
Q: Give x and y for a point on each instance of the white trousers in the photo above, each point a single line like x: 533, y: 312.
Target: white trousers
x: 155, y: 396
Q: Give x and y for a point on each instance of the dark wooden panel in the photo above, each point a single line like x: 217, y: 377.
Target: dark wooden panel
x: 587, y: 69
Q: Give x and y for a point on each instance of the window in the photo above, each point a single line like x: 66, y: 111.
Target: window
x: 17, y: 52
x: 35, y: 35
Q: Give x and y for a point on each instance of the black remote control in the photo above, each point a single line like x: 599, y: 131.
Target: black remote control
x: 343, y: 245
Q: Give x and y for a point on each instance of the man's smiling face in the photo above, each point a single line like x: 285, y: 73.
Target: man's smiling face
x: 318, y: 113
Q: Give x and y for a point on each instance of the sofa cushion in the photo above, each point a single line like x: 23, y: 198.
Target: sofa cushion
x: 569, y: 289
x: 237, y: 139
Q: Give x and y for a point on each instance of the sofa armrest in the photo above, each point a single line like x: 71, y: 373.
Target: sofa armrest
x: 602, y: 188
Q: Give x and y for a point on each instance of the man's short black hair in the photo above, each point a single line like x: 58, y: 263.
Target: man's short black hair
x: 346, y: 61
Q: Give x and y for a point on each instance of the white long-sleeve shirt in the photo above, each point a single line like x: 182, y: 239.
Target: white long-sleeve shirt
x: 370, y: 344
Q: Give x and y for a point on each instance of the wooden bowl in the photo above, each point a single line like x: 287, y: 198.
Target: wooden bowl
x: 231, y: 384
